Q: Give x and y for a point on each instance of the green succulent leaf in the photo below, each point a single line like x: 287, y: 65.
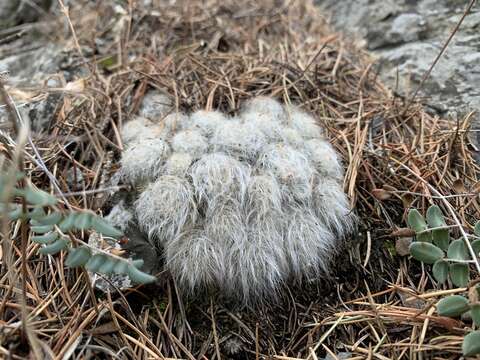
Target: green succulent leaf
x: 95, y: 262
x: 39, y: 197
x: 416, y: 221
x: 440, y: 271
x: 107, y: 267
x: 57, y: 246
x: 424, y: 236
x: 441, y: 238
x: 139, y: 277
x: 426, y: 252
x: 50, y: 219
x: 7, y: 179
x: 476, y: 229
x: 16, y: 214
x: 83, y: 220
x: 45, y: 239
x: 78, y: 256
x: 37, y: 213
x: 476, y: 247
x: 475, y: 312
x: 41, y: 229
x: 121, y: 267
x: 452, y: 306
x: 138, y: 263
x: 104, y: 228
x: 458, y: 250
x: 435, y: 217
x: 471, y: 344
x: 460, y: 274
x: 68, y: 222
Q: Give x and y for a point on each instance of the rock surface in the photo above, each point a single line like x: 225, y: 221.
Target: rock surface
x: 407, y: 35
x: 15, y: 12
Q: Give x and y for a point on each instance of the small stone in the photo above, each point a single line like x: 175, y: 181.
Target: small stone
x: 402, y: 246
x: 74, y: 178
x: 155, y: 106
x: 339, y: 356
x: 408, y: 27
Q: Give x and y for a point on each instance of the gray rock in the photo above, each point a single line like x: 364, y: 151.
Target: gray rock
x: 39, y: 68
x: 402, y: 246
x: 407, y: 28
x: 403, y: 29
x: 406, y: 36
x: 155, y: 105
x: 15, y: 12
x: 339, y: 356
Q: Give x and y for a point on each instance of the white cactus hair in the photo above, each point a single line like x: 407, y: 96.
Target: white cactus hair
x: 166, y: 208
x: 178, y: 164
x: 324, y: 157
x: 240, y: 140
x: 155, y: 105
x: 207, y: 122
x: 292, y: 170
x: 338, y: 218
x: 244, y: 204
x: 191, y: 142
x: 311, y: 254
x: 142, y: 161
x: 195, y: 261
x: 219, y: 178
x: 138, y: 128
x: 264, y: 114
x: 174, y: 122
x: 304, y: 123
x: 264, y: 196
x: 262, y: 261
x: 290, y: 137
x: 264, y: 106
x: 120, y: 216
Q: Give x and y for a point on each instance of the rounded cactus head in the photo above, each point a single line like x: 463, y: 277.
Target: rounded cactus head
x: 242, y: 204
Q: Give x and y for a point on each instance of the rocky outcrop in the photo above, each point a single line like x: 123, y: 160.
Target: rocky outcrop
x: 15, y: 12
x: 407, y: 35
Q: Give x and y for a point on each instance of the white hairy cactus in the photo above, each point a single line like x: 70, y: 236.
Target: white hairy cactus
x: 324, y: 158
x: 207, y: 122
x: 155, y: 105
x: 139, y: 128
x: 178, y: 164
x: 218, y: 177
x: 166, y: 208
x: 244, y: 204
x: 304, y: 123
x: 174, y: 122
x: 142, y: 160
x: 191, y: 142
x: 264, y: 108
x: 120, y: 216
x: 240, y: 140
x: 291, y: 168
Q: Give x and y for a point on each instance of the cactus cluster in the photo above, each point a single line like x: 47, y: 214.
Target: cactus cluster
x: 244, y: 203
